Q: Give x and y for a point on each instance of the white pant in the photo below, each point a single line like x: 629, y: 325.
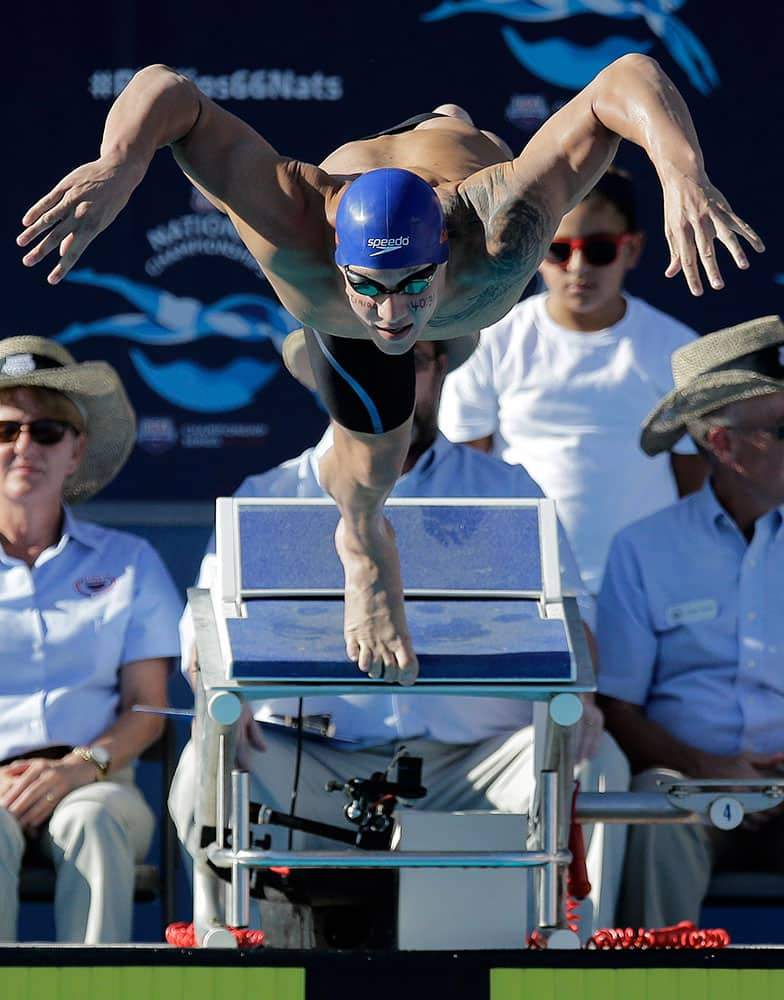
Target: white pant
x: 95, y: 837
x: 494, y: 774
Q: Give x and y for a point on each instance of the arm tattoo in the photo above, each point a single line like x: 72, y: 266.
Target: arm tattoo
x: 506, y: 244
x: 516, y: 226
x: 516, y: 236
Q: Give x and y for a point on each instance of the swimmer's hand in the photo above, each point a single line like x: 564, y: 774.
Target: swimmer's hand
x: 696, y: 214
x: 77, y: 209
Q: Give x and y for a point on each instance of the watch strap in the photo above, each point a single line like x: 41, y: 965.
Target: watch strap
x: 86, y: 754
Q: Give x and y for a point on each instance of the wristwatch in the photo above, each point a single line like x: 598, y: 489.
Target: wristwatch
x: 98, y: 756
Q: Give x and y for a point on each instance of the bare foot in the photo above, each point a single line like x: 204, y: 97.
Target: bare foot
x: 376, y: 631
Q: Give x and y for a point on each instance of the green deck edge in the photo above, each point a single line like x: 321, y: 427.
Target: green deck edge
x: 152, y: 983
x: 637, y: 984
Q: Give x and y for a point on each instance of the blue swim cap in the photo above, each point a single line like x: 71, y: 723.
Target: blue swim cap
x: 390, y: 218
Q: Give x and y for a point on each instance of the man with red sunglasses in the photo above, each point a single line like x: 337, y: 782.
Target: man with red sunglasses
x: 320, y: 234
x: 563, y: 382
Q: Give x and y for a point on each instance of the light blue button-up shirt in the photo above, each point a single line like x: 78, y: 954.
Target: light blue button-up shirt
x: 444, y: 470
x: 93, y: 602
x: 690, y: 625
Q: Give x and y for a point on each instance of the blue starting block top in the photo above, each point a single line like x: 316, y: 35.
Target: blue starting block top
x: 482, y: 583
x: 457, y: 641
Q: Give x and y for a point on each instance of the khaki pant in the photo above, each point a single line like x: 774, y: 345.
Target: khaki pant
x: 668, y: 866
x: 95, y: 837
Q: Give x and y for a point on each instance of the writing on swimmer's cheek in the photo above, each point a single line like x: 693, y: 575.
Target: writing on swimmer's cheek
x: 423, y: 302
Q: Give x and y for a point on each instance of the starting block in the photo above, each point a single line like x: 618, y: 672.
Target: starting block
x: 487, y: 615
x: 482, y: 584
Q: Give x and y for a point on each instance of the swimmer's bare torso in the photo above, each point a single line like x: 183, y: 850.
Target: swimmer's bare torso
x: 483, y: 280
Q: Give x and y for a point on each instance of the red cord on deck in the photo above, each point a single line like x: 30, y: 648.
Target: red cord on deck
x: 682, y: 935
x: 182, y: 935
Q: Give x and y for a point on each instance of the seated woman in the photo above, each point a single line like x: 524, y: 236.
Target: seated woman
x: 88, y: 627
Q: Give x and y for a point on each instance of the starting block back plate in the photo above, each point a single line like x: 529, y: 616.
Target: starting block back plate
x: 471, y: 546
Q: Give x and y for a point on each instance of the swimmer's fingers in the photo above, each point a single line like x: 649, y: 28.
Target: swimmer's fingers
x: 705, y: 236
x: 55, y: 208
x: 728, y: 224
x: 71, y: 243
x: 65, y: 237
x: 683, y: 258
x: 80, y: 207
x: 696, y: 215
x: 43, y: 214
x: 722, y: 225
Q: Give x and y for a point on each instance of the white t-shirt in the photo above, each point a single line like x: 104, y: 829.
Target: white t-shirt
x: 569, y: 406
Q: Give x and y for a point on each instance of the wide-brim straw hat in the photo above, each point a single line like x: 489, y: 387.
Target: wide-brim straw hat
x: 295, y: 355
x: 739, y: 362
x: 96, y: 390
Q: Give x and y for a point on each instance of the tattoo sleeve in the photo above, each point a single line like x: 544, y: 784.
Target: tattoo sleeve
x: 509, y: 235
x: 517, y: 228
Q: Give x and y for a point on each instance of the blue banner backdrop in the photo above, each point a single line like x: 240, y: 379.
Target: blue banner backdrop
x: 170, y: 296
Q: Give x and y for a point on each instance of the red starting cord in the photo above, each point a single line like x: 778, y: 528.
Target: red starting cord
x: 182, y: 935
x: 682, y: 935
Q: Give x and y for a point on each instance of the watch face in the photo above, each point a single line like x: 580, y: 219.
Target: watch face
x: 101, y: 756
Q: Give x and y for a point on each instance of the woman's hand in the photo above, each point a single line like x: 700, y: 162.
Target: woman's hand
x: 32, y: 788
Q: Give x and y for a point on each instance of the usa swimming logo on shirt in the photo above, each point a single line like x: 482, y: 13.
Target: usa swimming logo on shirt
x: 89, y: 586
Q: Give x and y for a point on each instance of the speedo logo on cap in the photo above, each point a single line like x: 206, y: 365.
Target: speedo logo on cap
x: 387, y: 245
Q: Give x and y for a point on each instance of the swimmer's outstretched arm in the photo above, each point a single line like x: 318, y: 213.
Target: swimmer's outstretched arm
x: 631, y: 99
x: 276, y: 203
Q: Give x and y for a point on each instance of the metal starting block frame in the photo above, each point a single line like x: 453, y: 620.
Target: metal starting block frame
x: 487, y: 615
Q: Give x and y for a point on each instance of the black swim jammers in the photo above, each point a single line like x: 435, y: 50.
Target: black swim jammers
x: 363, y: 389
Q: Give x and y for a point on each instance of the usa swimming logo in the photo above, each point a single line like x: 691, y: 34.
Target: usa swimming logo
x: 89, y: 586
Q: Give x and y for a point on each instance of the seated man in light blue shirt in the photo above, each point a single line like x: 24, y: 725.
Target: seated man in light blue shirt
x: 88, y: 627
x: 690, y: 626
x: 478, y: 752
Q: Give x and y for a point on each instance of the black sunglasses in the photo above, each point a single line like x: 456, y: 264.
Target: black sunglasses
x: 414, y: 284
x: 599, y: 250
x: 45, y: 431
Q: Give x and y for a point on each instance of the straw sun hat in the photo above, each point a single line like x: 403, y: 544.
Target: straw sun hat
x: 740, y: 362
x: 94, y: 387
x: 295, y: 355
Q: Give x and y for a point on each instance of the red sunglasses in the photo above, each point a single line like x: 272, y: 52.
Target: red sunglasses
x: 599, y: 250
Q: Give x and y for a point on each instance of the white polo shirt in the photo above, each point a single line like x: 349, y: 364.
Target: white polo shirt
x: 93, y: 602
x: 444, y: 470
